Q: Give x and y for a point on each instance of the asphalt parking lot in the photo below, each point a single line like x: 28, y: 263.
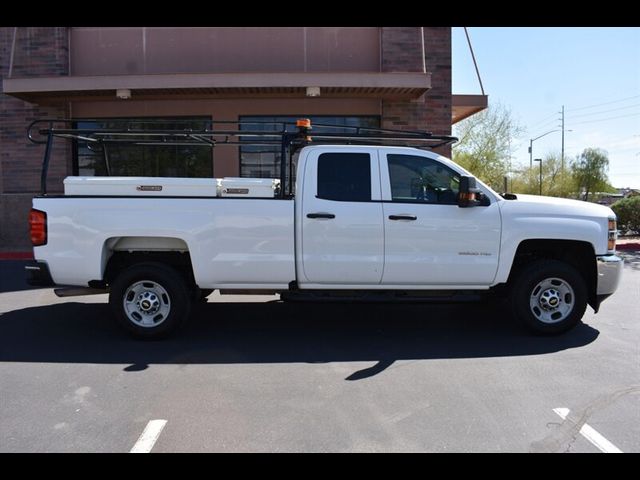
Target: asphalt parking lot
x: 252, y: 374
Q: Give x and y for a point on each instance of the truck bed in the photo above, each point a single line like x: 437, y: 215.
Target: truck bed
x: 231, y: 243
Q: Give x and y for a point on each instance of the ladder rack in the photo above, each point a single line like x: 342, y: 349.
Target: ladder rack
x: 219, y: 133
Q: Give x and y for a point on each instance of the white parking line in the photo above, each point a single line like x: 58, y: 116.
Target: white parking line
x: 590, y: 434
x: 149, y: 436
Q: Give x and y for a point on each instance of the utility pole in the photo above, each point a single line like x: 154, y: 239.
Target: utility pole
x: 562, y: 154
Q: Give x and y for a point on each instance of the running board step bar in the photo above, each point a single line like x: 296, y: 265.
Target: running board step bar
x: 382, y: 297
x: 78, y: 291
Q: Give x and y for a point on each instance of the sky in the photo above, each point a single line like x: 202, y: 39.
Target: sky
x: 593, y: 72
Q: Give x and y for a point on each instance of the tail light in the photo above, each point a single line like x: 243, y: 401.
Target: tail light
x: 38, y: 227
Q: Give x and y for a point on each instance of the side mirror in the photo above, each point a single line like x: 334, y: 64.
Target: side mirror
x: 469, y: 193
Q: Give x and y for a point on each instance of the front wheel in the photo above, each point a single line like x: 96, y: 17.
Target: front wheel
x: 549, y: 297
x: 150, y: 300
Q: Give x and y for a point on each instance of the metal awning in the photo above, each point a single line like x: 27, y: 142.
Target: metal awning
x: 463, y: 106
x: 400, y: 85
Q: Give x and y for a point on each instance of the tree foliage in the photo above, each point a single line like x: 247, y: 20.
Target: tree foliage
x: 484, y: 147
x: 589, y: 171
x: 628, y: 212
x: 556, y: 182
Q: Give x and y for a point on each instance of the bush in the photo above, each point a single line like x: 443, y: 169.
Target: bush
x: 628, y: 212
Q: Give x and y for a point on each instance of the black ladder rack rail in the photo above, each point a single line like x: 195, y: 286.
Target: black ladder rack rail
x: 227, y: 133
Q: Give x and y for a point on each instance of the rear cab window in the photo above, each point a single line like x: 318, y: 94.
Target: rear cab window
x: 344, y: 177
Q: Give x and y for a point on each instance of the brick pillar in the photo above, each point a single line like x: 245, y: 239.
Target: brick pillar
x: 39, y: 51
x: 402, y: 52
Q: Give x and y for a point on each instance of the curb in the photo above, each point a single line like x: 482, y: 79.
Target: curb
x: 16, y: 256
x: 628, y: 246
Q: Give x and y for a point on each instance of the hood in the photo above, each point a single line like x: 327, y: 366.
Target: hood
x: 558, y: 206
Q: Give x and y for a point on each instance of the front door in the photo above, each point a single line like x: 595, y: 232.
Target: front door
x: 429, y: 240
x: 342, y: 229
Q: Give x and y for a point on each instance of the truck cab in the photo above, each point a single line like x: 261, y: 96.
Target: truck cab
x: 388, y: 217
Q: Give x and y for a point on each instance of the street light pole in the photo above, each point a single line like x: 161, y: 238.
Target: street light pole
x: 534, y: 139
x: 540, y: 160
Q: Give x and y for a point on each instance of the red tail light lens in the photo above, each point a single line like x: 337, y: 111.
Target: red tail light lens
x: 38, y: 227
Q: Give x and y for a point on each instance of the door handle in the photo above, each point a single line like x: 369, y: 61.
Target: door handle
x: 402, y: 217
x: 320, y: 215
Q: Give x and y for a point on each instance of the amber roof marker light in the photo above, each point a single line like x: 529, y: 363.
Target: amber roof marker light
x: 304, y: 124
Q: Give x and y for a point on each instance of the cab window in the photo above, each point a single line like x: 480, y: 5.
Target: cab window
x: 416, y: 179
x: 345, y: 177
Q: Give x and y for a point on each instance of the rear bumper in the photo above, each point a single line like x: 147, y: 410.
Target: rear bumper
x: 609, y: 273
x: 38, y: 274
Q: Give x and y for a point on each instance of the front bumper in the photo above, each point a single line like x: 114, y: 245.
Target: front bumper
x: 609, y: 273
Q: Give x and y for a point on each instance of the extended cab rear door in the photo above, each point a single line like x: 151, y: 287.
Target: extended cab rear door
x: 342, y: 238
x: 429, y: 240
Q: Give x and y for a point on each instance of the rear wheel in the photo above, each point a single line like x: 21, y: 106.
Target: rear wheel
x: 549, y: 297
x: 150, y: 300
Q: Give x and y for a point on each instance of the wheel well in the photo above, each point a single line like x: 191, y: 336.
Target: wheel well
x: 180, y: 261
x: 579, y: 255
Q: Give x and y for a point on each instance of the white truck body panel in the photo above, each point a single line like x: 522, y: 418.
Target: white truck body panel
x: 445, y: 245
x: 349, y: 247
x: 534, y: 217
x: 231, y: 242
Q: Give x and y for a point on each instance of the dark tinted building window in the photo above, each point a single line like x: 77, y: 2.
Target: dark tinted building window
x: 119, y: 159
x: 344, y: 176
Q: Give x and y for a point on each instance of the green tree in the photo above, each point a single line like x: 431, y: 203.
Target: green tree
x: 628, y: 212
x: 589, y: 171
x: 556, y: 182
x: 484, y: 147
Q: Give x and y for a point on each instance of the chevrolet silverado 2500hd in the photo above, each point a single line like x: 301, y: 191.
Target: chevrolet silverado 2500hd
x: 374, y: 221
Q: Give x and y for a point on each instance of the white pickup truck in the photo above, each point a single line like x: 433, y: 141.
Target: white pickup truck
x: 361, y: 222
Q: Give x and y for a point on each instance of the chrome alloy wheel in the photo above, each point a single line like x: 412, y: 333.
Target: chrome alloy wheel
x: 146, y: 303
x: 552, y: 300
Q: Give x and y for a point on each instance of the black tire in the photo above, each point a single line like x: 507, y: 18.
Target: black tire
x: 152, y: 294
x: 549, y: 297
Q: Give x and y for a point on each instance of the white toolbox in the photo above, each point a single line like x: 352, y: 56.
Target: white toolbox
x: 141, y: 186
x: 248, y: 187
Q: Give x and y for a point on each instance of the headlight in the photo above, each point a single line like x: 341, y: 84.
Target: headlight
x: 612, y: 235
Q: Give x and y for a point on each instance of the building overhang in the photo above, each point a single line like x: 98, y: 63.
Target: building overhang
x: 463, y: 106
x: 47, y: 90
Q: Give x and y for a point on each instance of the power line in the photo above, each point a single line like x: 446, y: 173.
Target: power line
x: 544, y: 119
x: 540, y: 130
x: 605, y: 103
x: 609, y: 118
x: 546, y: 124
x: 605, y: 111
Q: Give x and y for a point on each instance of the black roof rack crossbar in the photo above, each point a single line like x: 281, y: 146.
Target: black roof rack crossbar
x: 289, y: 136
